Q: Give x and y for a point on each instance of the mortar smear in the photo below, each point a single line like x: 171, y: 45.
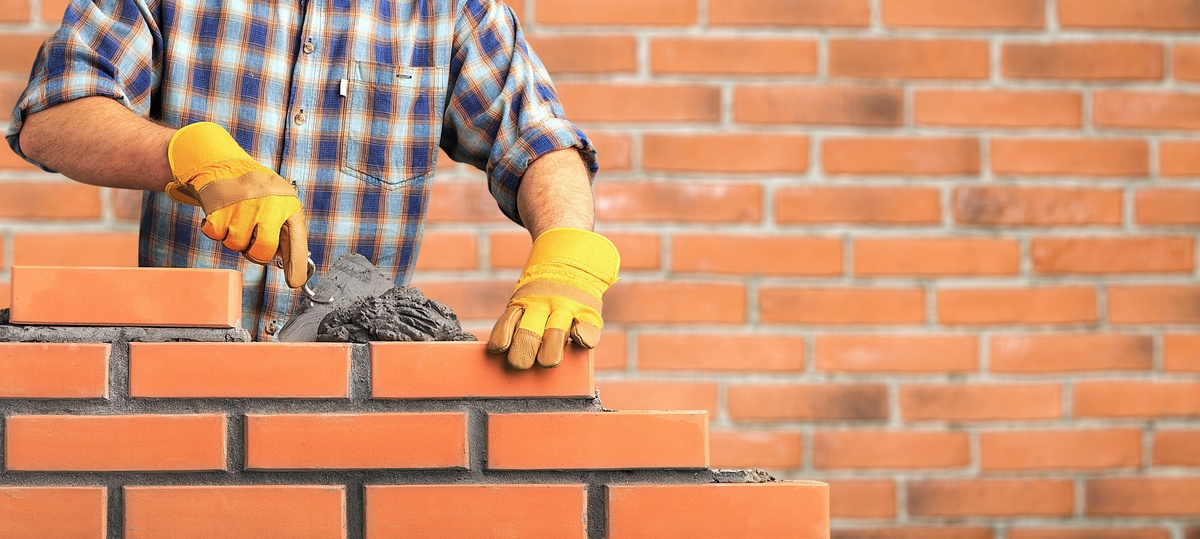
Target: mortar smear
x: 400, y: 314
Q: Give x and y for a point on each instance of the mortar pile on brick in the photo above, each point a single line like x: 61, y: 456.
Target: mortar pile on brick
x: 177, y: 432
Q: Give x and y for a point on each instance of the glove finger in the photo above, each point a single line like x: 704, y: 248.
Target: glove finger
x: 241, y: 231
x: 293, y: 248
x: 263, y: 243
x: 216, y: 225
x: 585, y: 334
x: 554, y: 339
x: 502, y: 332
x: 528, y: 337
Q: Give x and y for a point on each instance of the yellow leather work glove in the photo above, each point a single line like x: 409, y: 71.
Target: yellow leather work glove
x: 558, y: 294
x: 248, y: 207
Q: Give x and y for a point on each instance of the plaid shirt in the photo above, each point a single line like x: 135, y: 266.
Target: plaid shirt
x: 349, y: 99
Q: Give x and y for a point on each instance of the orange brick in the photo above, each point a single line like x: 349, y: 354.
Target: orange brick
x: 675, y: 302
x: 403, y: 370
x: 1019, y: 353
x: 658, y: 395
x: 1087, y: 533
x: 1178, y: 158
x: 610, y: 354
x: 870, y: 498
x: 914, y: 532
x: 1186, y: 62
x: 460, y: 202
x: 11, y: 161
x: 726, y: 152
x: 925, y: 157
x: 1023, y: 14
x: 471, y: 300
x: 236, y: 512
x: 116, y: 249
x: 1019, y: 206
x: 597, y: 440
x: 980, y: 402
x: 126, y: 296
x: 242, y: 370
x: 1134, y: 14
x: 638, y: 251
x: 54, y: 512
x: 54, y: 371
x: 1146, y: 110
x: 115, y: 443
x: 614, y: 12
x: 819, y: 105
x: 775, y: 450
x: 1127, y: 254
x: 1167, y: 207
x: 5, y: 295
x: 936, y: 256
x: 750, y: 255
x: 889, y: 449
x: 692, y: 202
x: 448, y: 251
x: 356, y: 441
x: 1153, y: 304
x: 815, y: 13
x: 1041, y: 305
x: 15, y: 11
x: 853, y: 306
x: 736, y: 352
x: 807, y: 401
x: 991, y: 497
x: 861, y: 205
x: 20, y: 50
x: 48, y: 200
x: 53, y: 10
x: 1177, y: 448
x: 126, y: 204
x: 586, y: 53
x: 1060, y: 449
x: 709, y: 56
x: 614, y: 151
x: 1083, y: 61
x: 1057, y: 157
x: 974, y: 108
x: 908, y: 58
x: 788, y: 509
x: 897, y: 353
x: 476, y: 511
x: 1130, y: 398
x: 1143, y: 496
x: 640, y: 103
x: 1181, y: 352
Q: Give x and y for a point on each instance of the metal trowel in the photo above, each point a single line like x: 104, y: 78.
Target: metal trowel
x: 351, y: 278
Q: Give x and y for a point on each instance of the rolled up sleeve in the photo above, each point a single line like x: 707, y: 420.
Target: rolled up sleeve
x: 108, y: 48
x: 502, y: 110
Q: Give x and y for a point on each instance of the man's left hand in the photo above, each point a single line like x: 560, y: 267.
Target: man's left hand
x: 558, y: 295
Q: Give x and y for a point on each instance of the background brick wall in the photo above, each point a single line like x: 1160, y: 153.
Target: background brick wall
x: 939, y: 253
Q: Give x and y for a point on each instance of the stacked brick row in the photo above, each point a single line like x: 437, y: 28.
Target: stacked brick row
x: 142, y: 437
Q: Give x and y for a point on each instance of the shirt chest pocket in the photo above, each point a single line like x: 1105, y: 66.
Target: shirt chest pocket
x: 391, y: 122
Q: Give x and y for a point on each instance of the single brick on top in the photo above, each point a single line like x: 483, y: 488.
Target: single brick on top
x: 438, y: 370
x: 159, y: 297
x: 597, y: 440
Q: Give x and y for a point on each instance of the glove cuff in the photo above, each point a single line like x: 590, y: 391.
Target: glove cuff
x: 572, y: 250
x: 197, y: 148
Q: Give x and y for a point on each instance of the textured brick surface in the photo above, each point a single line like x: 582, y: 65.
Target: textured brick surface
x: 767, y: 510
x: 597, y: 440
x: 118, y: 443
x: 476, y: 511
x: 432, y: 370
x: 291, y: 511
x: 264, y: 370
x: 35, y: 370
x: 357, y: 441
x: 53, y: 512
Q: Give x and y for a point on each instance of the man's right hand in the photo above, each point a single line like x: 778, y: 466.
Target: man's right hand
x: 248, y: 207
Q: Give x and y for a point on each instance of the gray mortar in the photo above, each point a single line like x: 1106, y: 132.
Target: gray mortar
x: 354, y: 481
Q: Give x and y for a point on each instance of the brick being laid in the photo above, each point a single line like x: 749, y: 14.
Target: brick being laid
x: 464, y: 369
x: 157, y: 297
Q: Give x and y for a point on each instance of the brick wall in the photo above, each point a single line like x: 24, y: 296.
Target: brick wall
x: 940, y: 253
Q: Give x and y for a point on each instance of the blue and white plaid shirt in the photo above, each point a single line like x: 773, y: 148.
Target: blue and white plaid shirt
x: 350, y: 99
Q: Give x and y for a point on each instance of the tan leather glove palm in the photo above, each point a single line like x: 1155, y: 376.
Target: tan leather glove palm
x: 248, y: 207
x: 558, y: 294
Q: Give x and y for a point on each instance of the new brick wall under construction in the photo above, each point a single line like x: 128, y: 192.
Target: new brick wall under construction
x: 938, y: 253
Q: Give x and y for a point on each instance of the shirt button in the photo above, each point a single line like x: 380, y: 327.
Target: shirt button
x: 300, y: 117
x: 308, y: 48
x: 272, y: 327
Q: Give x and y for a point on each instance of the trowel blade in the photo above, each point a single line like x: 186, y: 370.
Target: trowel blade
x: 351, y: 277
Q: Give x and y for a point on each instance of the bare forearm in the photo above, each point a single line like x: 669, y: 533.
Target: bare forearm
x: 555, y: 193
x: 98, y: 141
